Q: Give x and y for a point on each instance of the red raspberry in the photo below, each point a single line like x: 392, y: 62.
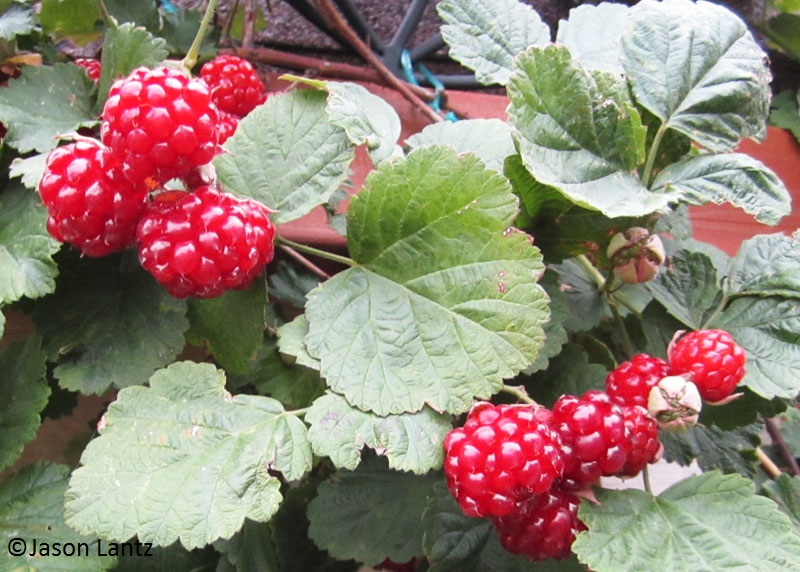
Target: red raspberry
x: 643, y: 434
x: 228, y: 123
x: 203, y: 243
x: 544, y: 526
x: 90, y: 205
x: 716, y: 362
x: 160, y: 123
x: 92, y: 66
x: 235, y: 85
x: 596, y: 442
x: 501, y: 455
x: 630, y: 383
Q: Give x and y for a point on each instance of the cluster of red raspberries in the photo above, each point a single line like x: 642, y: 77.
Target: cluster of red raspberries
x: 160, y: 125
x: 525, y: 467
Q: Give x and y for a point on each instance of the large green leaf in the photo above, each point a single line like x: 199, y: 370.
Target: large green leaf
x: 231, y: 325
x: 688, y: 288
x: 785, y: 491
x: 785, y: 112
x: 593, y: 35
x: 698, y: 69
x: 287, y: 154
x: 579, y: 132
x: 16, y: 21
x: 25, y: 391
x: 124, y: 49
x: 766, y: 265
x: 73, y: 19
x: 768, y: 329
x: 32, y: 508
x: 734, y: 178
x: 713, y: 448
x: 489, y: 139
x: 410, y: 441
x: 707, y: 522
x: 110, y: 328
x: 485, y: 36
x: 443, y: 302
x: 44, y: 102
x: 26, y: 249
x: 184, y: 460
x: 371, y: 514
x: 366, y: 118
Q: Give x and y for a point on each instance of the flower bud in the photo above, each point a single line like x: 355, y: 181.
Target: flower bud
x: 675, y: 403
x: 636, y: 255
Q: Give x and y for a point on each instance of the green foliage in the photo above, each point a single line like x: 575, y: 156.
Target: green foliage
x: 593, y: 35
x: 185, y: 436
x: 443, y: 302
x: 32, y: 506
x: 713, y: 448
x: 22, y: 382
x: 707, y: 522
x: 17, y: 20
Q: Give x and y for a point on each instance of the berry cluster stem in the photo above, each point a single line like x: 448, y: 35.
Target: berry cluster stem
x: 316, y: 251
x: 190, y: 60
x: 519, y: 393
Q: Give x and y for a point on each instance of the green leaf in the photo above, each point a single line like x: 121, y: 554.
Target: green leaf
x: 707, y: 522
x: 586, y: 307
x: 111, y: 327
x: 287, y: 154
x: 291, y: 343
x: 73, y: 19
x: 734, y: 178
x: 688, y: 288
x: 180, y: 26
x: 232, y: 325
x: 785, y: 491
x: 124, y: 49
x: 713, y: 448
x: 570, y: 372
x: 184, y: 460
x: 143, y: 14
x: 766, y: 265
x: 768, y: 329
x: 371, y: 514
x: 251, y: 548
x: 26, y: 249
x: 790, y: 428
x: 25, y: 391
x: 489, y: 139
x: 32, y: 507
x: 173, y: 558
x: 782, y: 30
x: 485, y: 36
x: 555, y: 334
x: 410, y: 441
x: 578, y: 131
x: 536, y: 198
x: 593, y: 35
x: 785, y: 112
x: 721, y: 94
x: 366, y: 118
x: 16, y: 21
x: 291, y: 284
x: 46, y: 102
x: 443, y: 303
x: 30, y: 169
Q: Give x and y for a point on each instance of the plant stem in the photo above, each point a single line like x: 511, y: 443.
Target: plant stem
x: 767, y: 464
x: 305, y: 262
x: 316, y: 251
x: 646, y: 480
x: 518, y: 392
x: 110, y: 21
x: 298, y: 412
x: 593, y: 272
x: 652, y: 154
x: 190, y: 60
x: 627, y: 344
x: 783, y: 448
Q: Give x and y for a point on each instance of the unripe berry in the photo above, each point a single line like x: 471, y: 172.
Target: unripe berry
x: 636, y: 255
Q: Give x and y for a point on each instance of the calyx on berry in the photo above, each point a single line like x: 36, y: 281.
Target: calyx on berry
x: 636, y: 255
x: 675, y: 403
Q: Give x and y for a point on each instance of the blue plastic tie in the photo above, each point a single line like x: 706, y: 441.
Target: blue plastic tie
x: 438, y: 86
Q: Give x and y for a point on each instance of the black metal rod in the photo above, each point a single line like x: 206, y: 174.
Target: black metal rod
x: 361, y: 26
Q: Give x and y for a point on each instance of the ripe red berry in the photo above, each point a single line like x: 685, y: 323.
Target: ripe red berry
x: 543, y: 526
x: 235, y: 85
x: 630, y: 383
x: 596, y: 442
x: 714, y: 360
x: 160, y: 123
x: 228, y: 123
x: 90, y: 205
x: 92, y: 66
x: 502, y: 454
x: 203, y: 243
x: 643, y: 434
